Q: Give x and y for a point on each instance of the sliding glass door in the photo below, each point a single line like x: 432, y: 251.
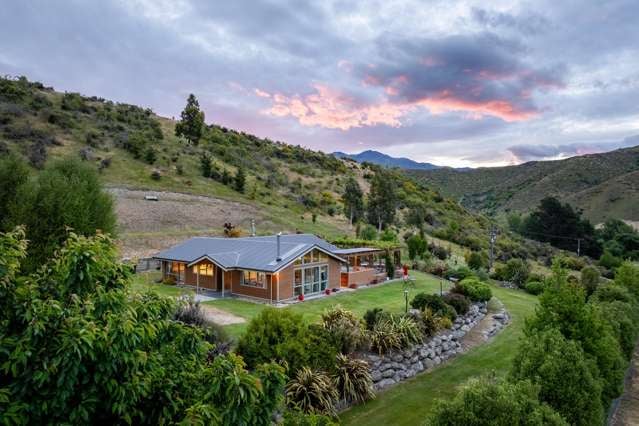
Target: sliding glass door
x: 311, y: 280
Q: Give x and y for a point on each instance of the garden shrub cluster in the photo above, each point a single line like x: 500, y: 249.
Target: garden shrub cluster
x: 571, y: 359
x: 317, y: 357
x: 474, y: 289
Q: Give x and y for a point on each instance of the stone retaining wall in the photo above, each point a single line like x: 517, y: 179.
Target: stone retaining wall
x: 386, y: 370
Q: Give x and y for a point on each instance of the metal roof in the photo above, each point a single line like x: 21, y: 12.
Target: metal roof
x: 356, y: 250
x: 256, y: 253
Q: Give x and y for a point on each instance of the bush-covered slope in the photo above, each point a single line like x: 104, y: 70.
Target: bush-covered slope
x: 290, y: 187
x: 603, y: 185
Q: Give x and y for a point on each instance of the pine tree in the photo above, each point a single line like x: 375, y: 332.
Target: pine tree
x: 382, y: 201
x: 240, y: 180
x: 205, y: 165
x: 353, y: 200
x: 192, y: 122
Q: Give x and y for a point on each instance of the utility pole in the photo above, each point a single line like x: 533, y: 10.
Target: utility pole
x: 493, y: 238
x: 578, y: 247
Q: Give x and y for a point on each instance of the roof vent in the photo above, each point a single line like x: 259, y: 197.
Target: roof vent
x: 279, y: 256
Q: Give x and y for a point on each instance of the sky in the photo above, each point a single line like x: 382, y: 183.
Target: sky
x: 456, y: 83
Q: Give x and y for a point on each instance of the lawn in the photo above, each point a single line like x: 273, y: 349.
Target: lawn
x: 409, y: 402
x: 146, y: 281
x: 388, y: 296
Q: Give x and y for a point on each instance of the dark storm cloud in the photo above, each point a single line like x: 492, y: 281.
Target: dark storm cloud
x: 479, y: 72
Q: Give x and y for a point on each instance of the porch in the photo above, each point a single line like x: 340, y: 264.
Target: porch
x: 367, y: 266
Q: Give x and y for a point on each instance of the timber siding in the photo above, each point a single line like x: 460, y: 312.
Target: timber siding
x: 206, y: 281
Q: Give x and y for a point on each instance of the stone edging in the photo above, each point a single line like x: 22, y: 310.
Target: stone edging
x: 390, y: 369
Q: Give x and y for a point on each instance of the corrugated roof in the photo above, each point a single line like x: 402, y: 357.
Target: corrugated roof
x: 356, y: 250
x: 258, y: 253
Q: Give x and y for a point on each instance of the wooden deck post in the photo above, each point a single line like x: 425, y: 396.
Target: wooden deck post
x: 197, y: 280
x: 222, y: 282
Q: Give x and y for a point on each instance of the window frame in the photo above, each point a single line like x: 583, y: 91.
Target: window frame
x: 257, y: 283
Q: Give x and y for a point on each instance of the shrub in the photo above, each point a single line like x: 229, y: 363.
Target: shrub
x: 407, y: 330
x: 439, y: 252
x: 368, y: 233
x: 486, y: 402
x: 517, y: 271
x: 430, y: 323
x: 312, y: 392
x: 623, y: 318
x: 460, y: 273
x: 563, y: 306
x: 473, y: 289
x: 435, y: 303
x: 567, y: 381
x: 190, y: 312
x: 476, y: 260
x: 353, y: 379
x: 534, y: 287
x: 459, y: 302
x: 613, y: 292
x: 372, y: 316
x: 345, y: 328
x: 590, y: 278
x: 437, y: 267
x: 627, y: 275
x: 280, y: 334
x: 416, y: 246
x: 609, y: 261
x: 383, y: 337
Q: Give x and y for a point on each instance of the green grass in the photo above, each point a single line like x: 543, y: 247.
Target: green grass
x: 146, y: 281
x: 410, y: 402
x: 389, y: 296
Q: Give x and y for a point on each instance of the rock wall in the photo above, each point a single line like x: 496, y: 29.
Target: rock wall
x: 388, y: 369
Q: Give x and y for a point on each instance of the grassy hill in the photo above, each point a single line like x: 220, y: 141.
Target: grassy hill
x: 603, y: 185
x: 288, y: 188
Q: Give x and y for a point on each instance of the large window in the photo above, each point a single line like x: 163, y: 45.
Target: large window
x: 204, y: 269
x: 311, y: 280
x: 254, y: 279
x: 313, y: 256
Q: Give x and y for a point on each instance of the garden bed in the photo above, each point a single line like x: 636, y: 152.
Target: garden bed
x: 392, y: 368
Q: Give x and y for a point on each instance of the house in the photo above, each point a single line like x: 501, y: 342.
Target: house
x: 272, y: 268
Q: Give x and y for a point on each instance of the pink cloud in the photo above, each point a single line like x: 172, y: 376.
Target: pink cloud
x: 330, y: 108
x: 261, y: 93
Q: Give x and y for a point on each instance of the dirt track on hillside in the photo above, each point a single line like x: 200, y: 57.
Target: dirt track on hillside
x: 144, y: 227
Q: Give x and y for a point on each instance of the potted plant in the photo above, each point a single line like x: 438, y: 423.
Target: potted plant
x: 327, y: 291
x: 300, y: 297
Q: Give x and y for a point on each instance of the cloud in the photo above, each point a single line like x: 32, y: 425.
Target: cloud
x: 329, y: 108
x: 462, y: 79
x: 478, y: 76
x: 481, y: 75
x: 523, y: 153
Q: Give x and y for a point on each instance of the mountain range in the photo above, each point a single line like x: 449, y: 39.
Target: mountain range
x: 376, y: 157
x: 604, y: 185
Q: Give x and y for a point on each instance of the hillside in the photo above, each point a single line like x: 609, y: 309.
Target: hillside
x: 375, y: 157
x: 287, y: 188
x: 602, y: 185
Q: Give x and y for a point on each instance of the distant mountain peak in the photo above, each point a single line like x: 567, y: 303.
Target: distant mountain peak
x: 382, y: 159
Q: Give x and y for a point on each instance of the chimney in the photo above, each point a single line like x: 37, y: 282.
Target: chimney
x: 279, y: 257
